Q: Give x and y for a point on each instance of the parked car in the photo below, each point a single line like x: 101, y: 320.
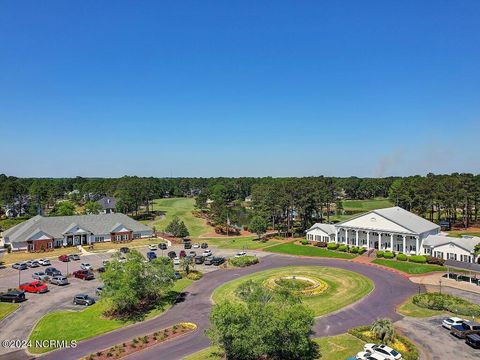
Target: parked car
x: 207, y: 252
x: 152, y: 247
x: 182, y: 253
x: 86, y: 266
x: 199, y: 260
x: 196, y: 246
x: 387, y: 352
x: 20, y: 266
x: 208, y: 260
x: 192, y: 254
x: 101, y: 269
x: 217, y: 261
x: 14, y: 296
x: 187, y: 245
x: 177, y: 275
x: 98, y: 290
x: 74, y: 257
x: 51, y: 271
x: 448, y: 323
x: 204, y: 246
x: 44, y: 262
x: 465, y: 328
x: 40, y: 275
x: 59, y: 280
x: 162, y: 246
x: 172, y: 254
x: 64, y: 258
x: 365, y: 355
x: 151, y: 255
x: 176, y: 261
x: 84, y: 274
x: 473, y: 340
x: 240, y: 254
x: 83, y: 300
x: 124, y: 250
x: 36, y: 287
x: 33, y: 263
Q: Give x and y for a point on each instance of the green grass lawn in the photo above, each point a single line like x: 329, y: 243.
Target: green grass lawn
x: 459, y: 233
x: 308, y: 250
x: 366, y: 205
x: 409, y: 267
x: 6, y: 309
x: 331, y: 348
x: 181, y: 207
x: 408, y: 308
x: 80, y: 325
x: 247, y: 243
x: 344, y: 287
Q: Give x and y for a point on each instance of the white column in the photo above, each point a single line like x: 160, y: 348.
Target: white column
x: 379, y: 241
x: 417, y: 242
x: 391, y: 241
x: 404, y: 244
x: 346, y: 236
x: 356, y: 237
x: 336, y: 235
x: 368, y: 239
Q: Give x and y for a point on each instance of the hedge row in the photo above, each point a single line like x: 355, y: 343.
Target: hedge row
x: 243, y: 261
x: 346, y: 248
x: 419, y: 259
x: 451, y: 303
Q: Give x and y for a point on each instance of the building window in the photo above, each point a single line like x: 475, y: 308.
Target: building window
x: 99, y: 238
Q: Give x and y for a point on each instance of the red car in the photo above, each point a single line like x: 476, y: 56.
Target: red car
x: 84, y: 274
x: 64, y: 258
x: 34, y: 287
x: 182, y: 253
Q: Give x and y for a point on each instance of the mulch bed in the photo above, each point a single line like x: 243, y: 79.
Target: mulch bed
x: 143, y: 342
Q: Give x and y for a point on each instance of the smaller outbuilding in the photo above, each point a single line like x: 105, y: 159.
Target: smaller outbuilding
x: 108, y: 204
x: 450, y: 248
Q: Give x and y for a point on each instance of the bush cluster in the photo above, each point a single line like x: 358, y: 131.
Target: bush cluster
x: 380, y: 254
x: 402, y: 257
x: 419, y: 259
x: 353, y: 250
x: 243, y: 261
x: 321, y: 244
x: 304, y: 242
x: 388, y: 255
x: 454, y: 304
x: 194, y: 275
x: 435, y: 260
x: 343, y: 248
x: 361, y: 250
x: 332, y: 246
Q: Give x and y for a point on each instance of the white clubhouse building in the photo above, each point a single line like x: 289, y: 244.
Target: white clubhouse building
x: 398, y: 230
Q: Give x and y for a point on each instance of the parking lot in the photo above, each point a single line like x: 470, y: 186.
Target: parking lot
x: 19, y: 324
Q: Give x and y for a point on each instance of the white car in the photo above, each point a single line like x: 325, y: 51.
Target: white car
x: 240, y: 254
x: 176, y: 261
x: 152, y: 247
x: 40, y: 276
x: 383, y: 350
x: 207, y: 253
x: 44, y: 262
x: 85, y: 266
x: 196, y: 245
x: 365, y: 355
x: 448, y: 323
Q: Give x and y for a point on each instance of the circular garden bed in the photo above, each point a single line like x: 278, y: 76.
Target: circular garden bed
x: 323, y: 289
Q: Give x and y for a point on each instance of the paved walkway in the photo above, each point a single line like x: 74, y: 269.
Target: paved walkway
x: 434, y: 280
x: 390, y: 291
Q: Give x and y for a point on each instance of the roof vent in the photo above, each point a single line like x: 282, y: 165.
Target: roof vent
x: 373, y: 219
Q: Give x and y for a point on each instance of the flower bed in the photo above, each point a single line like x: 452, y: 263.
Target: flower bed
x: 298, y: 284
x: 137, y: 344
x: 243, y: 261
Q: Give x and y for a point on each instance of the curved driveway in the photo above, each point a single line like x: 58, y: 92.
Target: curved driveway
x: 390, y: 290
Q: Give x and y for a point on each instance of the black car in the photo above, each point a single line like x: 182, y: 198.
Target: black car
x: 199, y: 260
x: 124, y: 250
x: 172, y: 254
x: 218, y: 261
x: 101, y: 269
x: 187, y: 245
x: 177, y: 275
x: 473, y: 340
x: 83, y: 300
x: 204, y: 246
x: 14, y: 296
x: 162, y: 246
x: 51, y: 271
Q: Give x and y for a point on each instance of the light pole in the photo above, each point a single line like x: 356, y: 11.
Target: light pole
x: 440, y: 282
x: 19, y: 276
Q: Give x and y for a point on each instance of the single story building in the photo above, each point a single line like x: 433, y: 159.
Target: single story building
x: 108, y: 204
x: 450, y: 248
x: 44, y: 233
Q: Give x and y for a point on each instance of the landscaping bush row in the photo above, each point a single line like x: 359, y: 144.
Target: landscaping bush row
x: 243, y: 261
x: 454, y: 304
x: 418, y: 259
x: 346, y: 248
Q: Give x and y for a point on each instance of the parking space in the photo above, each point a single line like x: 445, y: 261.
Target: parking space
x: 436, y: 341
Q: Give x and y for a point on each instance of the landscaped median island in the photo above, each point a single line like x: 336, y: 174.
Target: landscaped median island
x: 309, y: 250
x: 137, y: 344
x: 324, y: 290
x: 243, y: 261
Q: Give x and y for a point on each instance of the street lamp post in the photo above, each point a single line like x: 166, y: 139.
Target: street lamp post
x: 440, y: 282
x: 19, y: 276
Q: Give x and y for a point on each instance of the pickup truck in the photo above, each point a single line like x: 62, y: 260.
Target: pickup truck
x: 465, y: 328
x: 34, y: 287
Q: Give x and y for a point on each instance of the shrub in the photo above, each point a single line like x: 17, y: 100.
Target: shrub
x: 243, y: 261
x: 342, y: 248
x: 332, y: 246
x: 388, y: 255
x: 194, y: 275
x: 401, y: 257
x: 419, y: 259
x: 435, y: 260
x: 304, y: 242
x: 454, y: 304
x: 354, y: 250
x: 380, y: 254
x: 361, y: 250
x: 321, y: 244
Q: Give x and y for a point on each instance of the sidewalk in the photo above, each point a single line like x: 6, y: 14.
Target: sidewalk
x: 434, y: 280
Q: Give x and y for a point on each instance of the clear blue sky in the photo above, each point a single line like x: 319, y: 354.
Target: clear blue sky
x: 239, y: 88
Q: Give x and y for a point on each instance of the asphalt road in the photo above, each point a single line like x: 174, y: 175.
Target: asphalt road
x: 390, y: 290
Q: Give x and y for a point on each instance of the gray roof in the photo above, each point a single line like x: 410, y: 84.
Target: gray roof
x: 56, y: 226
x: 468, y: 243
x: 107, y: 202
x: 405, y: 218
x: 328, y: 228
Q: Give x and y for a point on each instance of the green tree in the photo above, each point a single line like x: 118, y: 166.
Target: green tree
x: 258, y: 225
x: 92, y: 207
x: 186, y: 264
x: 63, y: 208
x: 177, y: 228
x: 383, y: 330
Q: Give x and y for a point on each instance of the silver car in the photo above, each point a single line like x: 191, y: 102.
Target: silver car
x: 59, y: 280
x: 40, y: 275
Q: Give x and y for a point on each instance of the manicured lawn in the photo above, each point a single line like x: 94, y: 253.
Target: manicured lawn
x: 135, y: 243
x: 80, y: 325
x: 409, y: 267
x: 332, y: 348
x: 181, y: 207
x: 366, y: 205
x: 344, y: 287
x: 24, y: 256
x: 308, y: 250
x: 408, y: 308
x: 459, y: 233
x: 247, y: 243
x: 6, y: 309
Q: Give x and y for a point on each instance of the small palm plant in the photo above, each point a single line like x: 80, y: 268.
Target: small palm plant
x: 187, y: 264
x: 383, y: 330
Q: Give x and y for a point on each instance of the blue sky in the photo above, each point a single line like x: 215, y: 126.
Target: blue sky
x: 239, y: 88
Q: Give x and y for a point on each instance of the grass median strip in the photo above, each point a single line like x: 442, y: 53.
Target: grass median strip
x: 6, y: 309
x: 409, y: 267
x: 308, y: 250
